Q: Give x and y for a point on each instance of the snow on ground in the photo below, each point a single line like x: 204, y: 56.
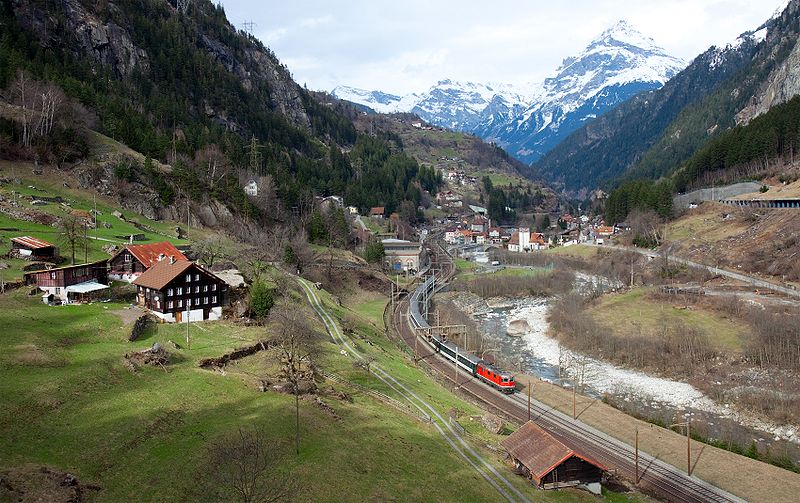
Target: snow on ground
x: 604, y: 377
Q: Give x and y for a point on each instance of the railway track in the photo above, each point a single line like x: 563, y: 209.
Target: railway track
x: 655, y: 476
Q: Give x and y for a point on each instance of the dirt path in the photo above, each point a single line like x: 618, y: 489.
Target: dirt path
x: 128, y: 315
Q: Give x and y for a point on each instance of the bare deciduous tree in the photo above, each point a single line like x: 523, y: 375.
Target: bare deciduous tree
x: 210, y: 249
x: 40, y: 105
x: 246, y: 467
x: 294, y: 340
x: 72, y: 232
x: 214, y: 163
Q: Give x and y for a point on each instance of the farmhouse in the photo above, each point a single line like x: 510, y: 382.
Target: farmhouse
x: 401, y: 255
x: 128, y: 263
x: 180, y: 291
x: 32, y: 248
x: 251, y: 188
x: 548, y: 463
x: 70, y: 284
x: 377, y: 212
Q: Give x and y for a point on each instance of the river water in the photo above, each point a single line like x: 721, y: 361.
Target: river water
x: 531, y: 350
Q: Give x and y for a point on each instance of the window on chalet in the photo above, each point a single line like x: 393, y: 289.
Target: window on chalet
x: 180, y: 303
x: 128, y: 257
x: 188, y: 278
x: 169, y: 292
x: 205, y: 288
x: 205, y: 300
x: 52, y: 275
x: 214, y: 299
x: 197, y: 301
x: 214, y: 287
x: 197, y: 289
x: 180, y: 290
x: 169, y: 304
x: 197, y: 277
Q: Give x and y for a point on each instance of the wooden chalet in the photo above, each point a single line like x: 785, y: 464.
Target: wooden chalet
x: 548, y: 463
x: 377, y: 212
x: 71, y: 284
x: 31, y: 248
x: 128, y: 263
x: 180, y: 290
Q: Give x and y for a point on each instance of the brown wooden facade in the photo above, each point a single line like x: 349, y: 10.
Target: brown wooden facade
x: 173, y: 289
x: 62, y: 277
x: 125, y: 263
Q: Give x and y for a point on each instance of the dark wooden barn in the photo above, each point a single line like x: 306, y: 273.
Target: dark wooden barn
x: 548, y: 463
x: 32, y: 248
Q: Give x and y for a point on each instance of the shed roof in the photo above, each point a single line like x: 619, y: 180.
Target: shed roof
x: 86, y: 287
x: 32, y: 242
x: 158, y: 276
x: 148, y: 254
x: 539, y: 451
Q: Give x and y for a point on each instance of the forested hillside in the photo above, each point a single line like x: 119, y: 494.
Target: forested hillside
x: 187, y: 89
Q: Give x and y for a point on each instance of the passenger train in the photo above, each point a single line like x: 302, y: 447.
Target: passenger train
x: 483, y: 370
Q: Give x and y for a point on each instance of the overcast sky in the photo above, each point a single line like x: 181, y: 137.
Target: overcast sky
x: 409, y: 45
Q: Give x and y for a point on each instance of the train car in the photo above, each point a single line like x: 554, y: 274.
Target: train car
x: 498, y: 378
x: 481, y: 369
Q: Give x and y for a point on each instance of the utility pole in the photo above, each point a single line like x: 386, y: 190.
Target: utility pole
x: 636, y: 480
x: 188, y: 318
x: 95, y: 215
x: 688, y: 424
x: 455, y: 367
x: 530, y: 384
x: 574, y: 387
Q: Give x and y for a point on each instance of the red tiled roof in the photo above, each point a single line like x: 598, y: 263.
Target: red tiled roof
x: 32, y: 242
x: 148, y: 254
x: 539, y: 451
x: 158, y: 276
x: 514, y: 238
x: 377, y: 210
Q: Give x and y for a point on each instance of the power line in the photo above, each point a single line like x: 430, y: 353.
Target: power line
x: 248, y: 26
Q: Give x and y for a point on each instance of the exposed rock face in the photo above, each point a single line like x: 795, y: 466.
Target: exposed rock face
x: 781, y: 86
x: 106, y: 43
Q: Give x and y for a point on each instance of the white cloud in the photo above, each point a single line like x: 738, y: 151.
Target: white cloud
x: 407, y: 46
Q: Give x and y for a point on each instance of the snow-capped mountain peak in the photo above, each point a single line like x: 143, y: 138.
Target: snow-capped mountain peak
x: 530, y: 119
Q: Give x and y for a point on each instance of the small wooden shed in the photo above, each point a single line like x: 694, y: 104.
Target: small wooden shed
x: 548, y: 463
x: 31, y: 248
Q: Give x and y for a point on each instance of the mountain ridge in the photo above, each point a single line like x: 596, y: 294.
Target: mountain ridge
x: 528, y: 120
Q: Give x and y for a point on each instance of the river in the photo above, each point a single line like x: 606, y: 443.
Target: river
x: 534, y: 352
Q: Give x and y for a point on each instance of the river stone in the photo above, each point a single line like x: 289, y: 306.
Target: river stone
x: 517, y: 328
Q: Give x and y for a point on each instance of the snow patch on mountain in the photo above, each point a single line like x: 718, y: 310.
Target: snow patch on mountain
x: 530, y: 119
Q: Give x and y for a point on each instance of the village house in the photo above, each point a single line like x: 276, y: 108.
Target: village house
x: 251, y: 188
x: 128, y: 263
x: 548, y: 463
x: 70, y: 284
x: 377, y: 212
x: 402, y: 256
x: 495, y: 235
x: 31, y: 248
x: 604, y: 231
x: 450, y: 235
x: 479, y: 224
x: 181, y: 291
x: 520, y: 240
x: 352, y: 210
x: 330, y: 202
